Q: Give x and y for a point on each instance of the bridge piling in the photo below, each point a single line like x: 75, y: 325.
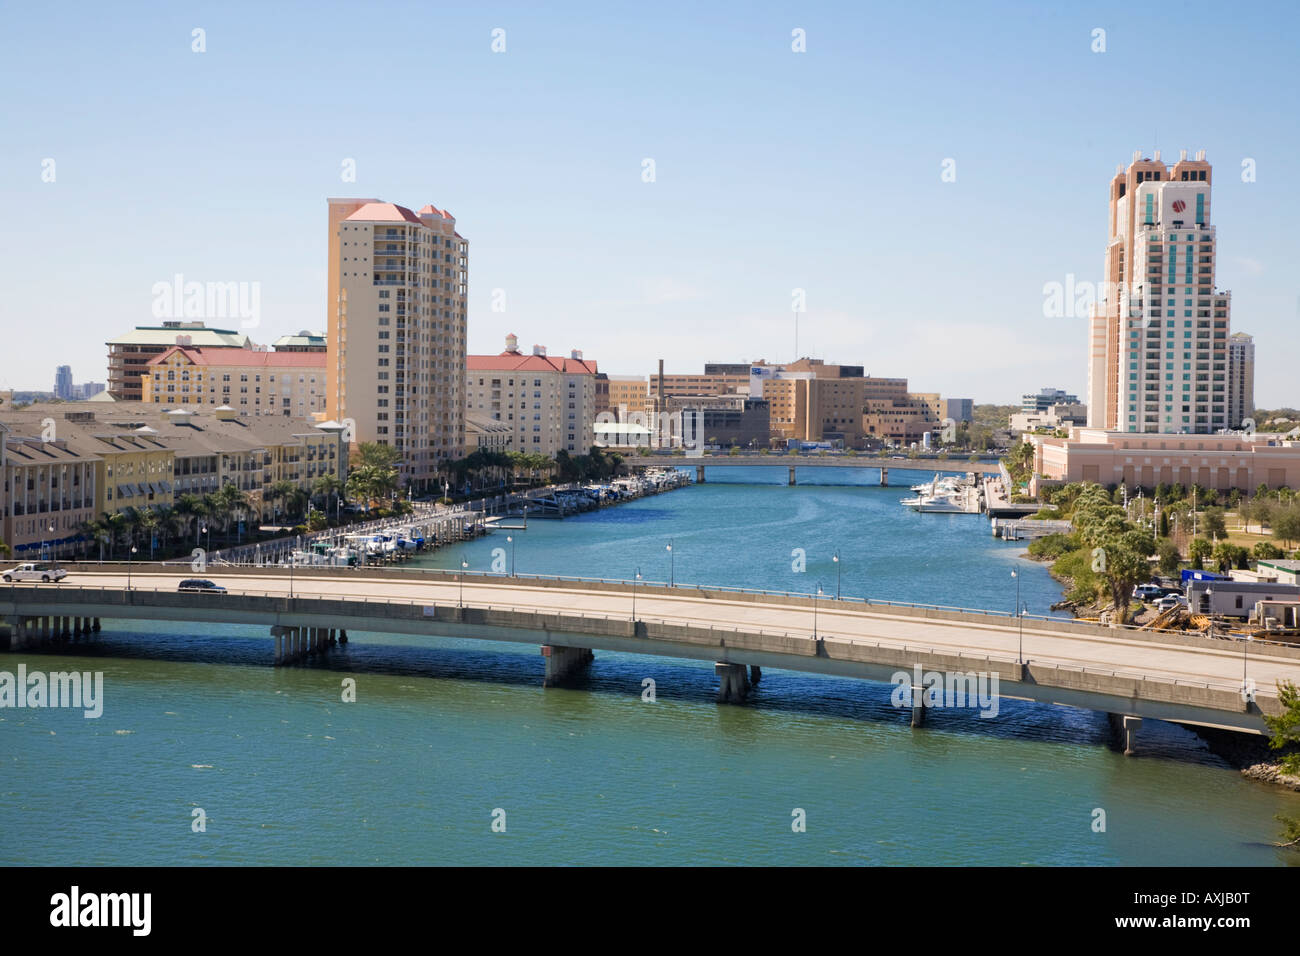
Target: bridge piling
x: 918, y: 706
x: 884, y: 476
x: 1125, y: 727
x: 733, y: 682
x: 792, y: 476
x: 699, y: 474
x: 563, y: 664
x: 755, y: 673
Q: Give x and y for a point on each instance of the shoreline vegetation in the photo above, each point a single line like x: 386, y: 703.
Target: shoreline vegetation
x: 1121, y: 538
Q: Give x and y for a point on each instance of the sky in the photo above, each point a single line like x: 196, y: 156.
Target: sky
x: 922, y: 172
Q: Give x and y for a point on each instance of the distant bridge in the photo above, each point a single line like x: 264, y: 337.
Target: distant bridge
x: 793, y: 462
x: 1129, y: 674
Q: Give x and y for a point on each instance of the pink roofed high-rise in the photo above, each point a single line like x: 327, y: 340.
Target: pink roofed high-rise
x: 396, y: 314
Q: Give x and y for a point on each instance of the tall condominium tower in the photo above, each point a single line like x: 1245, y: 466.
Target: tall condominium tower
x: 396, y: 331
x: 1159, y: 332
x: 1241, y: 378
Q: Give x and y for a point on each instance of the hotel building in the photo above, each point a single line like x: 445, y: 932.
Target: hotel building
x: 396, y: 316
x: 1159, y: 333
x: 129, y: 354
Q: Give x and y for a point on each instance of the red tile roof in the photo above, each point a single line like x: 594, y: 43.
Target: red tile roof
x: 519, y: 362
x: 247, y: 357
x: 383, y: 212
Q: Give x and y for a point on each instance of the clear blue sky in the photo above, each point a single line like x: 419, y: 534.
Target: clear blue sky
x: 774, y: 171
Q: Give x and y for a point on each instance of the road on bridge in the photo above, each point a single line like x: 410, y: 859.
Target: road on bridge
x: 1123, y: 652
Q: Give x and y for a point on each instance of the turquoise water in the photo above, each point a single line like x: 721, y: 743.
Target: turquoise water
x: 445, y: 731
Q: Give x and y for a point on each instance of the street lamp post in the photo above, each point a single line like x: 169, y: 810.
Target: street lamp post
x: 128, y: 567
x: 510, y: 538
x: 815, y: 597
x: 460, y: 601
x: 672, y: 565
x: 836, y: 559
x: 1019, y: 616
x: 634, y: 581
x: 1020, y: 650
x: 1245, y: 650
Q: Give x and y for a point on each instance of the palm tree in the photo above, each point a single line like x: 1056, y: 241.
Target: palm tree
x: 328, y: 488
x: 147, y: 521
x: 190, y: 508
x: 229, y: 500
x: 279, y: 492
x: 297, y: 500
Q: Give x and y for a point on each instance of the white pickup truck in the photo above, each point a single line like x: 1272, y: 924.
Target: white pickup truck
x: 35, y: 571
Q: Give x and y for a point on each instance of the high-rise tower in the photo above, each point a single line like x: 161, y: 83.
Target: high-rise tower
x: 396, y: 338
x: 1158, y: 333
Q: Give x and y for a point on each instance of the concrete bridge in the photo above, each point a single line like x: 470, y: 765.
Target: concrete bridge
x: 792, y: 462
x: 1129, y: 674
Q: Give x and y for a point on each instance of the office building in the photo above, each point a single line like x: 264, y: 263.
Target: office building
x: 1038, y: 404
x: 63, y: 387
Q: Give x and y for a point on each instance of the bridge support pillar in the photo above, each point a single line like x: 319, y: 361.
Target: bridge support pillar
x: 755, y: 673
x: 1126, y: 728
x: 918, y: 706
x: 343, y: 636
x: 699, y: 474
x: 15, y: 625
x: 564, y: 663
x: 792, y: 474
x: 95, y: 626
x: 277, y: 635
x: 733, y: 682
x: 65, y: 627
x: 884, y: 476
x: 45, y: 630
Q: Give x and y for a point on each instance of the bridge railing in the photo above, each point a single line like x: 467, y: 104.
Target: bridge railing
x: 452, y: 574
x: 580, y: 623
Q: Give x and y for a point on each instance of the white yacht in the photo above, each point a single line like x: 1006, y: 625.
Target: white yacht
x: 942, y: 495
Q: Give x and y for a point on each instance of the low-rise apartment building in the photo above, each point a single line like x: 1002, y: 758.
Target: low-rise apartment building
x: 252, y: 382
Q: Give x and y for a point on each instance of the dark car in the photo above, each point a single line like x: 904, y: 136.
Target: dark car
x: 199, y: 584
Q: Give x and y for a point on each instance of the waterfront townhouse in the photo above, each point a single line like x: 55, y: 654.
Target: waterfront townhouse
x: 108, y: 458
x: 47, y: 491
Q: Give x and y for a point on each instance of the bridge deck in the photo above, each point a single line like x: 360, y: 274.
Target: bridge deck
x: 1173, y: 677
